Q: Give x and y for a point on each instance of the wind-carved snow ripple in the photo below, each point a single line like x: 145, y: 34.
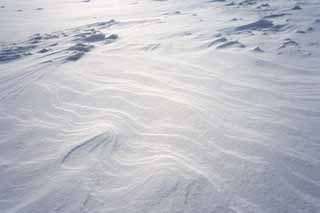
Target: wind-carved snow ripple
x: 138, y: 162
x: 69, y: 44
x: 46, y: 51
x: 150, y: 134
x: 134, y: 175
x: 171, y: 145
x: 92, y: 149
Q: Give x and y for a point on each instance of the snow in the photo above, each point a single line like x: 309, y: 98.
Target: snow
x: 159, y: 106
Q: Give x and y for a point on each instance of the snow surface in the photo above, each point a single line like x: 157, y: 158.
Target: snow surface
x: 159, y: 106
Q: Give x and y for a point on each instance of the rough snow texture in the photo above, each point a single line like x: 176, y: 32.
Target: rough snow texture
x: 139, y: 106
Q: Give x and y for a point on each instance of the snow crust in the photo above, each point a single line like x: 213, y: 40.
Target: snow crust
x: 160, y: 106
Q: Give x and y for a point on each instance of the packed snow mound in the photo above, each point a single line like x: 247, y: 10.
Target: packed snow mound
x: 160, y: 106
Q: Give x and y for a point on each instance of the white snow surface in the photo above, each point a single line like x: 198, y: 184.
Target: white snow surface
x: 159, y: 106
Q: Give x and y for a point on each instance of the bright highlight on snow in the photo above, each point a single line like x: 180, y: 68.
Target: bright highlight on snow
x: 160, y: 106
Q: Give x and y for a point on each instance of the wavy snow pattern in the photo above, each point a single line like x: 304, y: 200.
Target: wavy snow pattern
x: 129, y: 128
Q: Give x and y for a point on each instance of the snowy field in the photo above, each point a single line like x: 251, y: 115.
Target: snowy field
x: 159, y: 106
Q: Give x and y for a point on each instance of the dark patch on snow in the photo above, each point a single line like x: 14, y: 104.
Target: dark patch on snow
x: 276, y: 15
x: 217, y: 41
x: 14, y: 52
x: 297, y: 7
x: 288, y: 42
x: 231, y: 44
x: 258, y: 50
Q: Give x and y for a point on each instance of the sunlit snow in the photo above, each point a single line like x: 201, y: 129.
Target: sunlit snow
x: 159, y: 106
